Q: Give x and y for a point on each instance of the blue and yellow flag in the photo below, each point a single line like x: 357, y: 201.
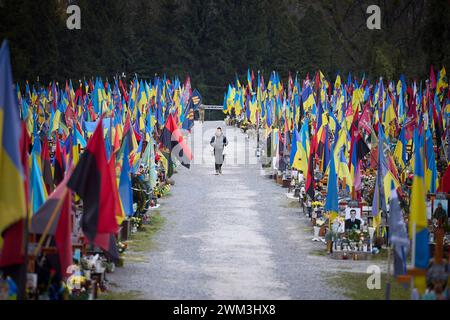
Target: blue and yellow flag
x: 37, y: 190
x: 12, y: 191
x: 332, y: 202
x: 418, y: 225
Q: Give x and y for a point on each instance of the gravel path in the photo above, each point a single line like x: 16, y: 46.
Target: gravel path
x: 232, y: 236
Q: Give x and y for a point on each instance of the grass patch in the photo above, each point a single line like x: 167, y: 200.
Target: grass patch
x: 319, y: 252
x: 124, y: 295
x: 354, y: 286
x: 382, y: 255
x: 291, y: 205
x: 142, y: 240
x: 135, y: 258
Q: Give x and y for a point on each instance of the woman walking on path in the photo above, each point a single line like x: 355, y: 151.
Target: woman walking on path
x: 219, y: 142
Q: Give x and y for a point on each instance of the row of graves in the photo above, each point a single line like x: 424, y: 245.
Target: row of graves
x: 87, y: 277
x: 92, y: 160
x: 355, y: 233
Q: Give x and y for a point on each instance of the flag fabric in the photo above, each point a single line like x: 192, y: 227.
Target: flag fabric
x: 107, y: 241
x: 400, y: 149
x: 46, y: 166
x: 172, y: 139
x: 310, y: 182
x: 398, y: 235
x: 12, y: 193
x: 295, y: 140
x: 445, y: 186
x: 54, y: 218
x: 37, y: 192
x: 418, y: 225
x: 13, y: 249
x: 442, y: 83
x: 120, y: 215
x: 431, y: 181
x: 196, y: 99
x: 332, y: 202
x: 307, y: 98
x: 301, y: 156
x: 59, y: 168
x: 125, y: 192
x: 92, y: 181
x: 188, y: 122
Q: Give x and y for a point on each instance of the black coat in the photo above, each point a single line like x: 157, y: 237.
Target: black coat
x: 349, y: 224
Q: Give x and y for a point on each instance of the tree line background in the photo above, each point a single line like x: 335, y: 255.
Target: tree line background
x: 213, y: 40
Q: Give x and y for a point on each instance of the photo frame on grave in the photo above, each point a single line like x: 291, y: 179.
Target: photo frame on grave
x: 443, y: 202
x: 349, y: 209
x: 32, y: 280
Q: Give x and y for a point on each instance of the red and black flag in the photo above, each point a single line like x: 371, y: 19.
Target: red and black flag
x: 58, y: 175
x: 92, y: 181
x: 361, y: 148
x: 54, y: 219
x: 107, y: 241
x: 172, y: 139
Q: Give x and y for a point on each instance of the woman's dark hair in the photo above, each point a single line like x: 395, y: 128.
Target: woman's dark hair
x: 219, y: 128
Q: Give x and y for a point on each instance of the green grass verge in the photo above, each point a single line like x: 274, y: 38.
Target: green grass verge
x: 319, y: 252
x: 125, y: 295
x: 291, y: 205
x: 142, y: 240
x: 354, y: 286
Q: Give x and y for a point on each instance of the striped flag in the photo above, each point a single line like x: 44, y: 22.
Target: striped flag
x: 418, y: 225
x: 12, y: 191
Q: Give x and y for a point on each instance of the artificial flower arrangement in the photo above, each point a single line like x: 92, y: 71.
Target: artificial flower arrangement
x: 121, y: 246
x: 145, y: 218
x: 357, y: 235
x: 83, y: 293
x: 317, y: 204
x: 78, y: 286
x: 136, y: 222
x: 161, y: 190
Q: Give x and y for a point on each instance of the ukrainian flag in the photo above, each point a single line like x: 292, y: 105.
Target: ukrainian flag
x: 12, y: 192
x: 418, y: 225
x: 302, y: 152
x: 400, y: 149
x: 308, y: 98
x: 332, y: 202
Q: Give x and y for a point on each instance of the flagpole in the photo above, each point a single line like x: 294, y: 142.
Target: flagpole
x: 110, y: 132
x: 22, y: 281
x: 388, y: 275
x: 413, y: 257
x: 257, y: 134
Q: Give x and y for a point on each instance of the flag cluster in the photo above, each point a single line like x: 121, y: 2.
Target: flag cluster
x: 84, y: 140
x: 392, y: 130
